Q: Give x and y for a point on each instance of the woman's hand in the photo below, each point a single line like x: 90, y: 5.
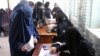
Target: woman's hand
x: 23, y: 48
x: 53, y: 50
x: 54, y: 13
x: 35, y: 40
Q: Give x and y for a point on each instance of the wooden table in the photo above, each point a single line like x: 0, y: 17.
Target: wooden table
x: 45, y: 37
x: 38, y: 49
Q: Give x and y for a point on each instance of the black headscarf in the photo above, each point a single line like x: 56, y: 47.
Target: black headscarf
x: 46, y: 5
x: 62, y: 22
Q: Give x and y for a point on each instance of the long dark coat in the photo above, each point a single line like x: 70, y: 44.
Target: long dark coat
x: 75, y: 43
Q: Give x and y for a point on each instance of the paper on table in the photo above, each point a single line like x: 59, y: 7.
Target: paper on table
x: 51, y: 21
x: 30, y: 44
x: 46, y: 53
x: 41, y: 52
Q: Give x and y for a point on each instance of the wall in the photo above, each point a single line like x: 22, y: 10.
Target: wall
x: 3, y: 4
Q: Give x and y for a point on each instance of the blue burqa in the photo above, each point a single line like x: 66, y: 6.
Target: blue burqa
x: 21, y: 29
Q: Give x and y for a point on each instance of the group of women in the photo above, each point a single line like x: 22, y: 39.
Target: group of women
x: 23, y: 24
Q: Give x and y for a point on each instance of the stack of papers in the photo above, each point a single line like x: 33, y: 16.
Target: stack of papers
x: 51, y: 21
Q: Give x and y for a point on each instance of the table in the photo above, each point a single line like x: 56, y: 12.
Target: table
x: 45, y: 37
x: 38, y: 48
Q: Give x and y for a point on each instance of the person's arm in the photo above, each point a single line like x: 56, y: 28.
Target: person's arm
x: 58, y: 47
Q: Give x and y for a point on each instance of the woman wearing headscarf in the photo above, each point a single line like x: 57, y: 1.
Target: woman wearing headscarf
x: 54, y: 10
x: 62, y: 24
x: 47, y: 12
x: 75, y: 43
x: 38, y: 16
x: 22, y: 30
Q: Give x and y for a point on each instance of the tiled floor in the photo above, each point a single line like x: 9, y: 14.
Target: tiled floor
x: 4, y: 46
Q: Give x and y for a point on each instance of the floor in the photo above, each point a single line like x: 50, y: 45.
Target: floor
x: 4, y: 46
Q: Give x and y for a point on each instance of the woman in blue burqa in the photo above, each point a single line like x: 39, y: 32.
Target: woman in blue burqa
x: 22, y: 30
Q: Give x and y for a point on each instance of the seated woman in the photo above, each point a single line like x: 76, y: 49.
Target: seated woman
x: 62, y: 23
x: 74, y: 42
x: 54, y: 10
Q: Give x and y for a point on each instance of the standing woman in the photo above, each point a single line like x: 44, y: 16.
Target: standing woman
x: 47, y: 13
x: 1, y: 19
x: 38, y: 14
x: 22, y: 30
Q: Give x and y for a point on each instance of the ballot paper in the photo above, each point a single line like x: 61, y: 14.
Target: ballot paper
x: 30, y: 44
x: 46, y: 53
x: 51, y: 21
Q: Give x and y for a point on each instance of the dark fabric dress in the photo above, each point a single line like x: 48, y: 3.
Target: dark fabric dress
x: 1, y: 18
x: 75, y: 43
x: 21, y: 29
x: 38, y: 16
x: 55, y: 9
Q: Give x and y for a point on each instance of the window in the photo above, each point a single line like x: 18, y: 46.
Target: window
x: 95, y: 16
